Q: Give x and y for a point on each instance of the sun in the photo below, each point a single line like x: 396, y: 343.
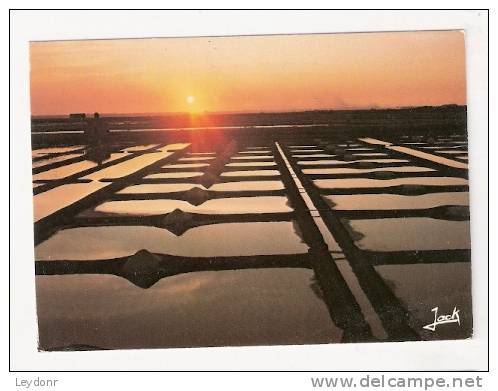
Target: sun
x: 193, y: 105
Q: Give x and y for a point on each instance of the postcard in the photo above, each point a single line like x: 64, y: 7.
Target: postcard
x: 250, y: 190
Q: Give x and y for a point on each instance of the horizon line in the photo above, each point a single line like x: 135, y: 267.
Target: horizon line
x: 155, y: 113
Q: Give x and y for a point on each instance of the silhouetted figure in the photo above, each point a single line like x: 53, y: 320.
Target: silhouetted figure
x: 95, y: 131
x: 96, y: 135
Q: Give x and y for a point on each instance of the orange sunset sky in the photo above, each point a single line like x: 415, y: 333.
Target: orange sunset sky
x: 256, y: 73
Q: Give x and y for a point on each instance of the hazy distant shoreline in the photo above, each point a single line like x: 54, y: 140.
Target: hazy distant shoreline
x: 422, y: 120
x: 338, y: 110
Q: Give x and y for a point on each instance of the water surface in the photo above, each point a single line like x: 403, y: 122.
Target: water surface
x: 139, y: 148
x: 307, y: 150
x: 396, y: 201
x: 345, y: 170
x: 196, y: 158
x: 253, y: 157
x: 239, y: 239
x: 56, y: 159
x: 251, y: 164
x: 238, y: 307
x: 250, y: 173
x: 219, y: 206
x: 422, y: 287
x: 413, y: 233
x: 50, y: 201
x: 201, y: 153
x: 174, y: 175
x: 224, y: 186
x: 314, y: 155
x: 302, y: 146
x: 370, y: 154
x: 43, y: 151
x: 452, y: 152
x: 257, y: 152
x: 457, y: 147
x: 64, y: 171
x: 337, y: 162
x: 186, y: 165
x: 347, y: 183
x: 429, y: 156
x: 127, y: 167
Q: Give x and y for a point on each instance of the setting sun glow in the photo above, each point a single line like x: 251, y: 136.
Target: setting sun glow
x: 251, y: 74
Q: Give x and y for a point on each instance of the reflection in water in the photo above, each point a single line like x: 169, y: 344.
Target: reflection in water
x: 430, y: 156
x: 307, y: 150
x: 186, y: 165
x: 127, y: 167
x: 64, y: 171
x: 174, y: 147
x: 375, y: 183
x: 258, y: 152
x: 251, y: 164
x: 334, y: 171
x: 225, y: 186
x: 236, y: 205
x: 100, y: 154
x: 241, y: 307
x: 451, y: 152
x: 48, y: 202
x: 422, y: 287
x: 239, y: 239
x: 248, y: 186
x: 56, y: 159
x: 443, y: 147
x: 196, y: 158
x: 43, y: 151
x: 395, y: 201
x: 315, y: 155
x: 174, y: 175
x: 253, y: 157
x: 370, y: 154
x: 159, y: 188
x: 414, y: 233
x: 303, y: 146
x: 336, y: 162
x: 251, y: 173
x: 139, y: 148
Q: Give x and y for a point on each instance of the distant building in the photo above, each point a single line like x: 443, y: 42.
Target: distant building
x: 77, y: 116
